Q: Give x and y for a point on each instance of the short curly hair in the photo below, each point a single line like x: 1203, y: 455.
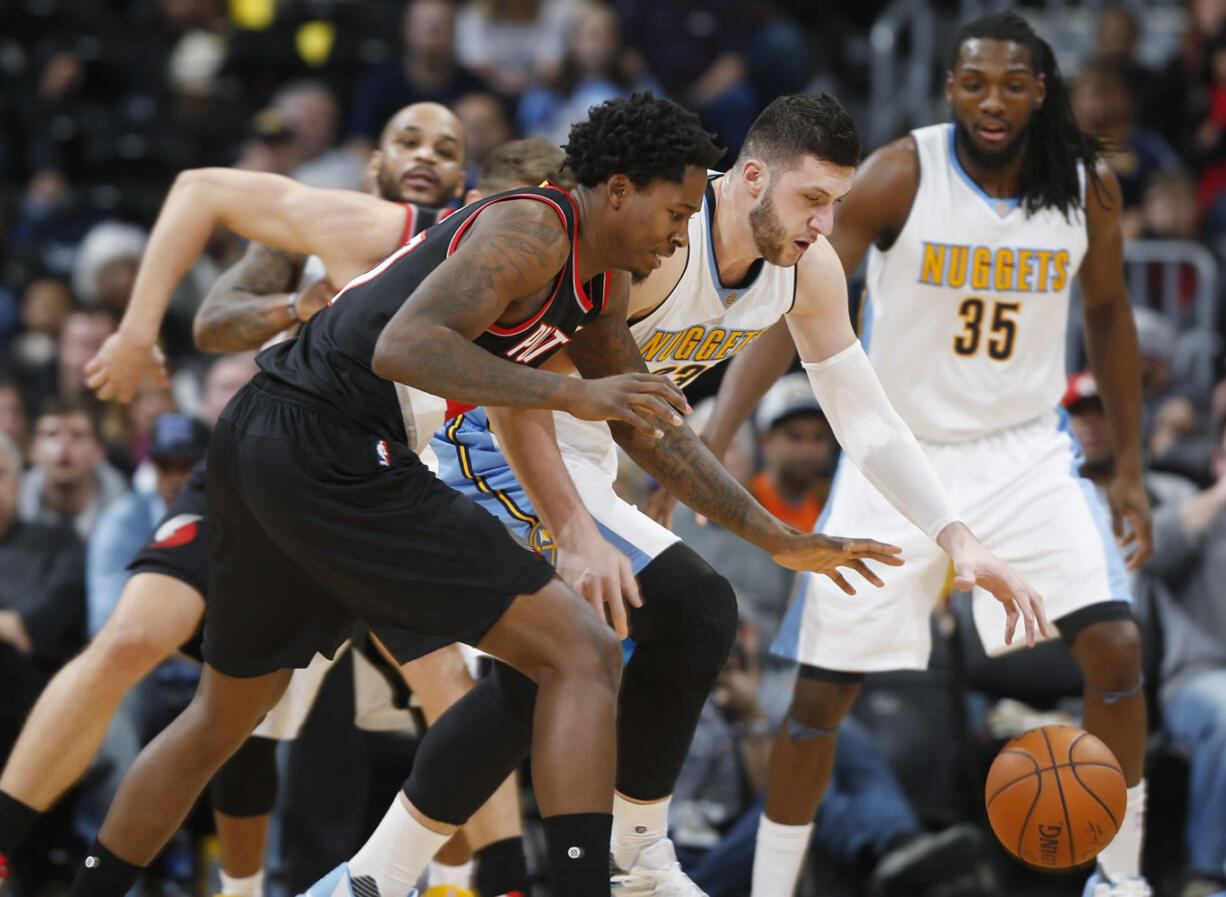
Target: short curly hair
x: 642, y: 137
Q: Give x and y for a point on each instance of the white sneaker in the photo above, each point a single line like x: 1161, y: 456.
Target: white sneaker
x: 655, y: 872
x: 1100, y: 886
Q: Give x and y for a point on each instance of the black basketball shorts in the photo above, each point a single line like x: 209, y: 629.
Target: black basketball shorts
x: 318, y: 524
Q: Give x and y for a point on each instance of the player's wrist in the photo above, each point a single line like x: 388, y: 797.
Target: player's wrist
x: 955, y: 537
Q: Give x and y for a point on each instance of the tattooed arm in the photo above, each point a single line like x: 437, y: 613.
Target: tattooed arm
x: 681, y: 462
x: 512, y: 253
x: 249, y: 303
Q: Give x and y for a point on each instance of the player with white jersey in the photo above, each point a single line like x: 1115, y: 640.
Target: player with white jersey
x: 757, y: 253
x: 974, y: 231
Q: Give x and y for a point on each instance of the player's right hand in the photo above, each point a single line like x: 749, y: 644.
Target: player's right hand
x: 604, y: 577
x: 974, y: 566
x: 826, y: 554
x: 121, y: 366
x: 645, y: 402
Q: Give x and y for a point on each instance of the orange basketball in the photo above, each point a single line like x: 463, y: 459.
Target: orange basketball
x: 1055, y: 796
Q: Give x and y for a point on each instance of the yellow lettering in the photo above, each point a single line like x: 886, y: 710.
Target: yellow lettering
x: 934, y: 264
x: 1044, y: 257
x: 1060, y: 278
x: 730, y: 345
x: 688, y: 343
x: 710, y: 344
x: 1004, y: 269
x: 956, y: 278
x: 659, y: 344
x: 981, y: 267
x: 1024, y: 283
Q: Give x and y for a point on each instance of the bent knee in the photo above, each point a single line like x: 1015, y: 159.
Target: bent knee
x: 822, y: 705
x: 689, y: 608
x: 129, y: 649
x: 1110, y: 654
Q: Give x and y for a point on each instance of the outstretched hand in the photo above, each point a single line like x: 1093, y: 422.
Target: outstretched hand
x: 974, y: 566
x: 826, y: 554
x: 121, y: 366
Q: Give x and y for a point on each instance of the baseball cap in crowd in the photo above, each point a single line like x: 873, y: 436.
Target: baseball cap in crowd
x: 1081, y: 388
x: 792, y: 394
x: 178, y: 437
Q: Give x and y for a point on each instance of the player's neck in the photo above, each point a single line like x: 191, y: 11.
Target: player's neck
x: 1003, y: 182
x: 731, y: 233
x: 595, y: 254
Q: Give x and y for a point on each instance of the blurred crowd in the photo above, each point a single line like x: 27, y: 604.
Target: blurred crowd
x: 105, y: 101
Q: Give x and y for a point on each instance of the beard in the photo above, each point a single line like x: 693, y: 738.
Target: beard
x: 988, y: 160
x: 768, y: 234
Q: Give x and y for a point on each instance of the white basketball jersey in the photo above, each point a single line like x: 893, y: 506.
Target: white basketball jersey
x: 966, y: 313
x: 699, y: 324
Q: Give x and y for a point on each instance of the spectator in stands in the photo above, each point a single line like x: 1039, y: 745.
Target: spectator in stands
x: 596, y: 68
x: 269, y: 145
x: 81, y: 336
x: 1103, y: 104
x: 1116, y: 36
x: 513, y: 44
x: 45, y: 305
x: 42, y: 607
x: 105, y: 267
x: 697, y: 50
x: 426, y: 71
x: 1168, y: 207
x: 14, y: 422
x: 1181, y: 584
x: 225, y: 377
x: 487, y: 126
x: 69, y: 482
x: 311, y: 112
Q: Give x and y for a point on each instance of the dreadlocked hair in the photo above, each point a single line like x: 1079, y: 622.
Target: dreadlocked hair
x: 1056, y: 145
x: 642, y: 137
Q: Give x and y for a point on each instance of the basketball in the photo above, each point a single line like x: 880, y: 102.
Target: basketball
x: 1055, y: 796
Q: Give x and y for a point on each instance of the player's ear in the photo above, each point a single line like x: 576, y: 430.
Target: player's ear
x: 1041, y: 92
x: 756, y: 176
x: 618, y: 189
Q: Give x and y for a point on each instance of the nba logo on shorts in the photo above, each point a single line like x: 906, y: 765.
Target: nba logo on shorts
x: 381, y: 452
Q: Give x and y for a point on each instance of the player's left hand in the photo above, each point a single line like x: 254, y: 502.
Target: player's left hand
x: 1130, y: 517
x: 604, y: 577
x: 121, y: 366
x: 826, y: 554
x: 974, y: 566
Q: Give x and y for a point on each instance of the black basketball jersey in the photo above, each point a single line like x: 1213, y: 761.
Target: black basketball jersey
x: 331, y: 358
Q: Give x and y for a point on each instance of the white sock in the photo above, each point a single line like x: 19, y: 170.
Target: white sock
x: 397, y: 851
x: 452, y: 876
x: 247, y: 886
x: 635, y: 826
x: 779, y: 857
x: 1121, y: 859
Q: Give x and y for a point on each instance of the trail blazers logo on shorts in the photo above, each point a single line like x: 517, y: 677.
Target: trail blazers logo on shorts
x: 178, y: 530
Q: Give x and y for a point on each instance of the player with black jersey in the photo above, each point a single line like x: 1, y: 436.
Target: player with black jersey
x: 323, y: 513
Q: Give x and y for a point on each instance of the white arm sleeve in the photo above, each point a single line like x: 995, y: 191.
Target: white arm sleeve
x: 876, y: 439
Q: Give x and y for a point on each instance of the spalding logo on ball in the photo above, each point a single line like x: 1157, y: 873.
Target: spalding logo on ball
x: 1055, y: 797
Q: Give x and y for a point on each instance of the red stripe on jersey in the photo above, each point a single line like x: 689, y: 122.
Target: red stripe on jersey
x: 523, y: 325
x: 410, y: 222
